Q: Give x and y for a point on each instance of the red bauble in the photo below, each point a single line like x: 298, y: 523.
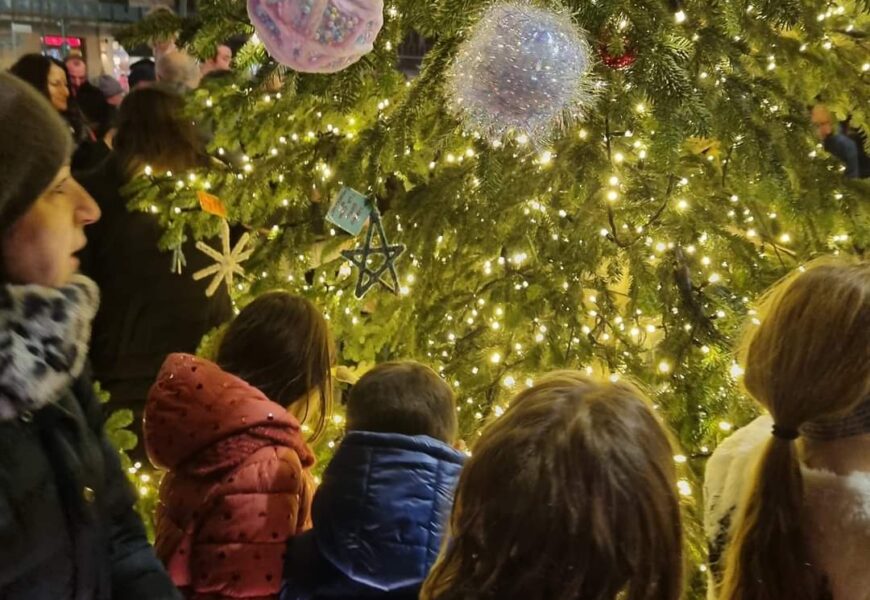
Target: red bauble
x: 617, y: 61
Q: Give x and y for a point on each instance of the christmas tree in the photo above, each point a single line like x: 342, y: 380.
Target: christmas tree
x: 629, y: 243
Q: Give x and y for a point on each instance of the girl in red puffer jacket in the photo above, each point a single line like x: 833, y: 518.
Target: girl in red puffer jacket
x: 238, y: 484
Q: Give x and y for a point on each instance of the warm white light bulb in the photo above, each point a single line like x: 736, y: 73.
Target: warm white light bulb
x: 684, y: 487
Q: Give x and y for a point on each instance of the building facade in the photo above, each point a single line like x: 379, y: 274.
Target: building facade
x: 60, y: 27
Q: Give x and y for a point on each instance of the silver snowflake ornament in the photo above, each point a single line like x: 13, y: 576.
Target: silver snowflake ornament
x: 228, y: 263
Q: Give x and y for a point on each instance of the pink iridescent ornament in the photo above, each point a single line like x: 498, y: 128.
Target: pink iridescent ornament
x: 317, y: 36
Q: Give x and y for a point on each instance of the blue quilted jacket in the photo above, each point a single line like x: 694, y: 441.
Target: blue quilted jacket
x: 378, y: 519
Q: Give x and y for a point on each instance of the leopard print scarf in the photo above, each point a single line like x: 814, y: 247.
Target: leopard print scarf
x: 44, y: 336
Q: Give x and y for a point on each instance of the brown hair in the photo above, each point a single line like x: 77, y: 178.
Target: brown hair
x: 808, y: 359
x: 280, y: 344
x: 153, y: 130
x: 34, y: 69
x: 403, y: 397
x: 570, y: 494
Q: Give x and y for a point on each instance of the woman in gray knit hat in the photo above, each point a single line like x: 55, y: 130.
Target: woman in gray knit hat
x: 68, y: 530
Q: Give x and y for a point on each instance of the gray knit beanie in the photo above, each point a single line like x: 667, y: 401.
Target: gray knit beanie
x: 34, y: 144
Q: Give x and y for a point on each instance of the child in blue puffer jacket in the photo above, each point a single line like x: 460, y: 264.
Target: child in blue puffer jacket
x: 385, y: 498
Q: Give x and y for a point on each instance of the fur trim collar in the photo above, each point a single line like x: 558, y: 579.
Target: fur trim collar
x: 44, y: 337
x: 836, y: 511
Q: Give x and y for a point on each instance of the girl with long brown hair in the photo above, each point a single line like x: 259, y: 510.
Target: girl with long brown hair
x: 571, y: 494
x: 788, y: 497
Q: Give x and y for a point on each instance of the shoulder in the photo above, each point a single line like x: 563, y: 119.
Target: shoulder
x: 841, y: 145
x: 729, y: 469
x: 837, y: 511
x: 273, y: 469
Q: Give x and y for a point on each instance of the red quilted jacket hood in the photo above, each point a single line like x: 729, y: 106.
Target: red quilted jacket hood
x: 200, y: 418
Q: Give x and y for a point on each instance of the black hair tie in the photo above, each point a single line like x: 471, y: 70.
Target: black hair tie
x: 784, y: 433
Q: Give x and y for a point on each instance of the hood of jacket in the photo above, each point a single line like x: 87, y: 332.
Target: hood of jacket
x: 201, y: 419
x: 383, y: 506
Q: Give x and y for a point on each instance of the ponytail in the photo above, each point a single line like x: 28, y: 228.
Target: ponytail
x: 768, y: 558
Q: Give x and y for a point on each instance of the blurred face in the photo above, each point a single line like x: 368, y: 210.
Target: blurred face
x: 39, y: 248
x: 223, y: 58
x: 58, y: 92
x: 78, y: 73
x: 822, y: 121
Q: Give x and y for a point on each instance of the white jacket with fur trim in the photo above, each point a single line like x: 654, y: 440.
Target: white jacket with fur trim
x: 836, y: 509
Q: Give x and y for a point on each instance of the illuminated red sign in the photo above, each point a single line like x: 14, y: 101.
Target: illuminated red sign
x: 57, y: 41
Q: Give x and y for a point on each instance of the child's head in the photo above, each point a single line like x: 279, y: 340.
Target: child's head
x: 808, y: 363
x: 570, y: 494
x: 280, y: 344
x: 403, y: 397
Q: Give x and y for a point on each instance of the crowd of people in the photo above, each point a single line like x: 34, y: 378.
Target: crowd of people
x: 571, y: 493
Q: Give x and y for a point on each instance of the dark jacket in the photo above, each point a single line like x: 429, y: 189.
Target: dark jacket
x: 378, y: 518
x: 66, y: 510
x: 844, y: 148
x: 147, y: 311
x: 89, y: 155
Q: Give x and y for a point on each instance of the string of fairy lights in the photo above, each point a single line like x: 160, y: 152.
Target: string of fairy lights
x: 609, y: 330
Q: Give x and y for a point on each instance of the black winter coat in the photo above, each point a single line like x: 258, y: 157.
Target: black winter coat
x: 68, y: 530
x: 147, y: 311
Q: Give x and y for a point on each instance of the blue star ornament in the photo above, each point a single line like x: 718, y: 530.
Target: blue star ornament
x: 361, y: 257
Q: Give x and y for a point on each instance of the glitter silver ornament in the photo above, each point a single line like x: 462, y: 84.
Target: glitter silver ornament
x: 523, y: 69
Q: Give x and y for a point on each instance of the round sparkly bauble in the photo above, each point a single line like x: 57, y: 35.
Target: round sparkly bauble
x: 523, y: 69
x: 617, y: 61
x: 317, y: 36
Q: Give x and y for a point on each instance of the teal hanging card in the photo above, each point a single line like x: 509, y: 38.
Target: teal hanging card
x: 350, y: 211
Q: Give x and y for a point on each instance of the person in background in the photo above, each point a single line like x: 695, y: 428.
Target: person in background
x: 179, y: 71
x: 238, y: 485
x: 149, y: 310
x: 386, y: 494
x: 100, y: 117
x: 220, y: 63
x: 788, y: 496
x: 142, y: 74
x: 111, y: 90
x: 49, y: 77
x: 77, y: 70
x: 857, y: 135
x: 834, y: 140
x: 68, y: 526
x: 572, y: 493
